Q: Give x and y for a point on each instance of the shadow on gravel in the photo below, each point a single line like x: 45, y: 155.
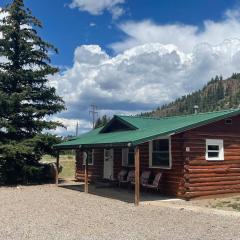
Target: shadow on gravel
x: 26, y: 184
x: 121, y: 194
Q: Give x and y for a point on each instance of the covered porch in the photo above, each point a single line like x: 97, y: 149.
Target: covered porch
x: 108, y: 170
x: 100, y: 166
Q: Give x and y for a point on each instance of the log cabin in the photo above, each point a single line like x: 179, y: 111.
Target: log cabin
x: 198, y: 154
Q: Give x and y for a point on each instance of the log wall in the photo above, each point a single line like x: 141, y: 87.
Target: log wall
x: 204, y: 178
x: 94, y: 171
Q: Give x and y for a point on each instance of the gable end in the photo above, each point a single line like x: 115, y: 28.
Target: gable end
x: 117, y: 124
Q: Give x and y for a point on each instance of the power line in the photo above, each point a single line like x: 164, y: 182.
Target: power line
x: 94, y: 114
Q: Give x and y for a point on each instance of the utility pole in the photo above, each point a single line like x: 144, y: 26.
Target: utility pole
x: 77, y: 128
x: 94, y: 113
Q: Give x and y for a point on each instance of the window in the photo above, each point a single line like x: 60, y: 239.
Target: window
x: 214, y: 150
x: 160, y: 153
x: 228, y: 121
x: 128, y: 157
x: 90, y: 156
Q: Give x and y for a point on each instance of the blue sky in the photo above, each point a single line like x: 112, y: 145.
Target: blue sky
x: 128, y: 56
x: 68, y: 28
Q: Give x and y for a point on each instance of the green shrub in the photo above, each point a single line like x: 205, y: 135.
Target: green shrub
x: 20, y: 160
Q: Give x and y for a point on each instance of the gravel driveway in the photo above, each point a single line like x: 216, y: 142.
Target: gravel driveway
x: 48, y: 212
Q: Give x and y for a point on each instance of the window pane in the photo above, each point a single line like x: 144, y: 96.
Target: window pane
x: 131, y: 156
x: 160, y: 159
x: 161, y: 145
x: 213, y: 147
x: 213, y: 154
x: 90, y: 160
x: 131, y: 159
x: 131, y: 150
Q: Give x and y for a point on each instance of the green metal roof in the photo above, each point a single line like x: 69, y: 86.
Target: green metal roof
x: 146, y: 129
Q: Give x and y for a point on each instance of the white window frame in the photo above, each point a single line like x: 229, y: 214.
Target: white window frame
x: 218, y: 142
x: 125, y: 152
x: 151, y: 151
x: 92, y: 158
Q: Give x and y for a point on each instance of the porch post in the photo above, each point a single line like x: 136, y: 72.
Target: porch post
x: 57, y: 166
x: 137, y: 176
x: 86, y: 176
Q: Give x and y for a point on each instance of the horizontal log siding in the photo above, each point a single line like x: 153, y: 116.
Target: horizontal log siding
x: 94, y: 171
x: 202, y: 177
x: 172, y: 181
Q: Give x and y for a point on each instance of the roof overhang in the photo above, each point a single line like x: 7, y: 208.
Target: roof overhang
x: 95, y: 146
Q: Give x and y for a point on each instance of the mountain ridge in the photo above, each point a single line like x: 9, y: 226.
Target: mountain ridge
x: 217, y: 94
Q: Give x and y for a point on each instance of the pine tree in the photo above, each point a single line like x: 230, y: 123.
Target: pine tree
x: 98, y: 123
x: 217, y: 94
x: 26, y: 99
x: 102, y: 121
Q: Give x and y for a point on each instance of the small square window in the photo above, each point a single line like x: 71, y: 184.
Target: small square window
x: 228, y: 121
x: 214, y: 150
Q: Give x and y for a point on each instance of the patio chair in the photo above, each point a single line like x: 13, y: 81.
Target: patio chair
x: 131, y: 176
x: 122, y: 176
x: 129, y: 179
x: 144, y: 179
x: 155, y: 184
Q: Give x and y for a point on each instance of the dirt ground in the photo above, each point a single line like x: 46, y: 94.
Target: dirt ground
x: 65, y: 212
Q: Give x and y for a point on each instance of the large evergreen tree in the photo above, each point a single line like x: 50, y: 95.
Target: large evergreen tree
x: 26, y: 98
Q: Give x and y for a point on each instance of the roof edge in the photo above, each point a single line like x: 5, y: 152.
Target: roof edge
x: 184, y: 115
x: 192, y: 126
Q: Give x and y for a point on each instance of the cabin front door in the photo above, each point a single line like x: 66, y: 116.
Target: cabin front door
x: 108, y: 164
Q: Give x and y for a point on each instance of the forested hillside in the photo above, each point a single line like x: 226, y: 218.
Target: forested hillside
x: 216, y: 95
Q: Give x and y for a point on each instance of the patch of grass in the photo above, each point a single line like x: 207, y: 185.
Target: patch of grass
x: 66, y: 161
x: 233, y: 204
x: 221, y: 204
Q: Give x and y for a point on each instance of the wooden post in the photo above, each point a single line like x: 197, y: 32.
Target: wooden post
x: 137, y: 175
x: 86, y: 176
x: 57, y: 167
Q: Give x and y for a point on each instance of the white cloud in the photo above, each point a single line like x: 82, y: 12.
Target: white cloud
x: 98, y: 7
x: 70, y: 126
x: 142, y: 77
x: 186, y: 37
x: 92, y: 24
